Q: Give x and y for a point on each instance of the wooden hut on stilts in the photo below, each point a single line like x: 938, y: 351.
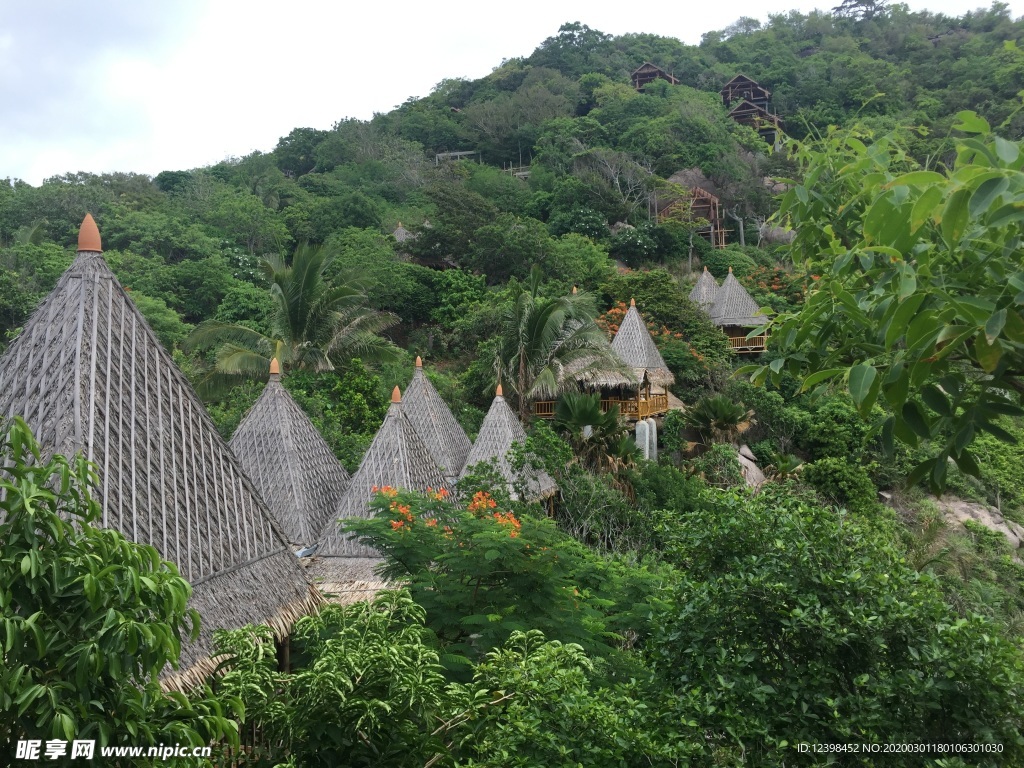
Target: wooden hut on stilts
x: 88, y: 375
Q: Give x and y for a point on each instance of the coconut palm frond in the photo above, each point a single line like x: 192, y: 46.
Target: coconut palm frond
x: 213, y: 333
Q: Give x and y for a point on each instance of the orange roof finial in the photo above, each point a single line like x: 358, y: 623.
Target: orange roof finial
x: 396, y: 395
x: 275, y: 367
x: 632, y: 302
x: 730, y: 270
x: 89, y: 235
x: 705, y: 267
x: 419, y: 361
x: 574, y: 290
x: 497, y: 392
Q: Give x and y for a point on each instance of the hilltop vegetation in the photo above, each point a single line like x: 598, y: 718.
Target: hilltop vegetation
x: 656, y: 612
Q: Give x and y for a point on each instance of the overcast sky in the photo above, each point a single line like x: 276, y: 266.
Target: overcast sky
x: 130, y: 85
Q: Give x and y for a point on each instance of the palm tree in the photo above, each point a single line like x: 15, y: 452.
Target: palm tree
x: 599, y: 440
x: 718, y: 419
x: 314, y: 326
x: 545, y: 343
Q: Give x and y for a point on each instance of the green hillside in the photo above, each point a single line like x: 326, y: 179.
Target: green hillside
x: 654, y: 611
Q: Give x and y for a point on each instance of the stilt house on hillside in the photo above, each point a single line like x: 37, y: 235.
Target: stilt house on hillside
x: 289, y: 462
x: 397, y: 457
x: 639, y: 394
x: 501, y: 430
x: 88, y: 374
x: 749, y: 104
x: 695, y: 204
x: 436, y: 424
x: 732, y: 309
x: 647, y: 73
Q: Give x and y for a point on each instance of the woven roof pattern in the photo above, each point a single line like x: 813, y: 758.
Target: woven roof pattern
x: 705, y: 291
x: 290, y: 463
x: 734, y: 306
x: 88, y: 374
x: 500, y: 430
x: 634, y: 345
x: 398, y: 457
x: 347, y: 580
x: 436, y: 424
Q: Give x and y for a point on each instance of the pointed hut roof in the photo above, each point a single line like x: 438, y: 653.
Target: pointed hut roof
x: 289, y: 462
x: 401, y: 234
x: 634, y: 345
x: 704, y: 292
x: 734, y: 306
x: 499, y: 431
x: 435, y: 423
x: 88, y: 374
x: 398, y: 457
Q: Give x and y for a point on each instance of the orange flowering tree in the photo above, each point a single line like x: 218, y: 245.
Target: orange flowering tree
x: 483, y: 571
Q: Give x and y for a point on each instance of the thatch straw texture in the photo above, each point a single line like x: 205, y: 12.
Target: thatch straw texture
x: 88, y: 374
x: 346, y: 580
x: 436, y: 424
x: 705, y: 291
x: 634, y: 345
x: 397, y: 457
x: 734, y: 306
x: 498, y: 433
x: 290, y: 464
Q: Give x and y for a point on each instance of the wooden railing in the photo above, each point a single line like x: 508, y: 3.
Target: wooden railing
x: 746, y: 346
x: 630, y: 409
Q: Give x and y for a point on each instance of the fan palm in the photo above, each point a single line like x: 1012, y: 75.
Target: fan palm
x: 545, y: 343
x: 718, y: 419
x: 599, y: 440
x: 314, y: 326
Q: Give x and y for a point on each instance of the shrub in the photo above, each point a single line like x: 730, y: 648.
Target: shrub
x: 842, y: 482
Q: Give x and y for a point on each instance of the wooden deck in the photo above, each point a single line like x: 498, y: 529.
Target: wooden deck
x: 632, y: 410
x: 745, y: 346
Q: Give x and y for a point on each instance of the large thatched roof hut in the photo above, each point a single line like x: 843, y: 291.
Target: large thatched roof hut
x: 397, y: 457
x: 88, y: 374
x: 501, y: 430
x: 736, y: 312
x: 435, y: 423
x: 289, y: 462
x: 635, y: 347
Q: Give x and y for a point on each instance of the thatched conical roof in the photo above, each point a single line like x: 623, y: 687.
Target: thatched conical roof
x: 705, y: 291
x: 734, y: 306
x: 289, y: 462
x: 401, y: 234
x: 436, y: 424
x: 500, y: 430
x: 88, y: 374
x: 634, y: 345
x: 397, y: 457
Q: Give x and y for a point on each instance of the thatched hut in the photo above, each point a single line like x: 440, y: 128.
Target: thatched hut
x: 88, y: 374
x: 436, y: 424
x: 736, y: 313
x: 289, y: 462
x: 501, y: 430
x: 705, y: 291
x: 397, y: 457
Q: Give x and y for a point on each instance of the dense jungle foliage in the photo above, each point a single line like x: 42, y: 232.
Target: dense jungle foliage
x: 654, y: 612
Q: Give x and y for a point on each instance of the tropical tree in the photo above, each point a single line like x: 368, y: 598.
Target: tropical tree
x: 315, y: 325
x: 544, y: 343
x: 598, y: 439
x: 920, y: 300
x: 718, y: 419
x: 90, y: 618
